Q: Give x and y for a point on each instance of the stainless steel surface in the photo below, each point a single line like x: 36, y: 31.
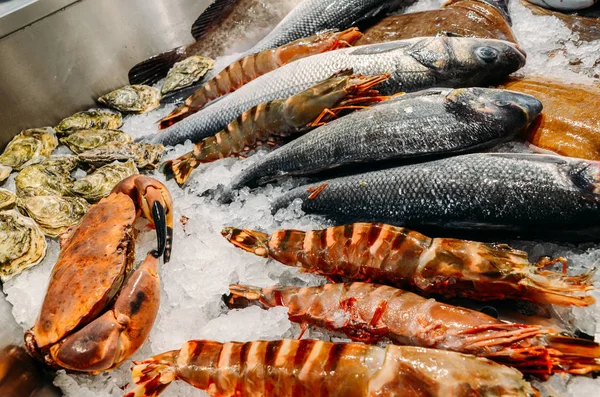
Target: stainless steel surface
x: 62, y: 62
x: 16, y: 14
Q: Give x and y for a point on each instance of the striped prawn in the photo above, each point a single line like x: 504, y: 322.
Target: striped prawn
x: 368, y: 312
x: 253, y: 66
x: 407, y: 259
x: 299, y: 368
x: 281, y: 118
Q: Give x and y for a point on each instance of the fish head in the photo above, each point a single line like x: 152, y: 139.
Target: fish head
x: 465, y: 61
x: 513, y: 110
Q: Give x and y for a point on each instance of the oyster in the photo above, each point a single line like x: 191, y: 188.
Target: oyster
x: 29, y: 144
x: 7, y: 199
x: 47, y: 177
x: 145, y: 155
x: 87, y: 139
x: 54, y: 214
x: 187, y: 72
x: 99, y: 184
x: 92, y: 119
x: 4, y: 173
x: 22, y: 244
x: 132, y: 98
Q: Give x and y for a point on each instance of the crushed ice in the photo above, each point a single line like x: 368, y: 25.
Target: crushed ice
x: 204, y: 264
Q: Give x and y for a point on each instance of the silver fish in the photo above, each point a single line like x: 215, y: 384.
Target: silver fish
x: 536, y: 195
x: 414, y: 64
x: 433, y: 122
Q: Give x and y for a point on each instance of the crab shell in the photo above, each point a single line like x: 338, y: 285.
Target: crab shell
x: 94, y: 316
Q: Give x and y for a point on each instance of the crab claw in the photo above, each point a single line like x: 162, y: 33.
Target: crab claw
x: 153, y: 199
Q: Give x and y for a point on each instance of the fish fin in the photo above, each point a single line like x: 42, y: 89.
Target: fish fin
x: 155, y: 68
x: 211, y: 17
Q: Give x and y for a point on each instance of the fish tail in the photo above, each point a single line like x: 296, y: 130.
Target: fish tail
x: 181, y: 168
x: 155, y: 68
x: 248, y: 240
x: 211, y: 17
x: 242, y: 296
x: 152, y: 376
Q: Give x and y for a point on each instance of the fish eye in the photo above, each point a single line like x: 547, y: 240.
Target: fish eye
x: 501, y: 103
x: 488, y: 54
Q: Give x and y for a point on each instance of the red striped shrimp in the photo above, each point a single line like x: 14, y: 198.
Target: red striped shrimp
x: 280, y: 118
x: 299, y: 368
x: 253, y: 66
x: 407, y: 259
x: 368, y: 312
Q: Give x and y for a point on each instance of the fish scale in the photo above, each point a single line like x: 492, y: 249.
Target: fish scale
x: 408, y: 62
x: 426, y: 123
x: 542, y: 194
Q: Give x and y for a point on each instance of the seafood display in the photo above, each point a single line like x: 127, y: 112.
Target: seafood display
x: 570, y: 121
x: 407, y: 127
x: 405, y: 258
x: 413, y: 65
x: 28, y: 145
x: 50, y: 176
x: 279, y: 119
x: 54, y: 214
x: 529, y: 194
x: 318, y: 368
x: 98, y: 311
x: 466, y: 18
x: 219, y: 30
x: 368, y: 312
x: 100, y: 183
x: 22, y: 244
x: 90, y: 119
x: 144, y: 155
x: 7, y: 199
x: 87, y: 139
x: 253, y: 66
x: 185, y: 73
x: 132, y: 98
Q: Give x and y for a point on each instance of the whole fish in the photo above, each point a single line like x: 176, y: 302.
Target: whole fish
x: 570, y: 124
x: 413, y: 64
x: 465, y: 18
x: 426, y: 123
x: 224, y: 28
x: 530, y: 194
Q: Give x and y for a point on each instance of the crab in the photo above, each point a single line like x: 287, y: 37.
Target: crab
x: 98, y: 310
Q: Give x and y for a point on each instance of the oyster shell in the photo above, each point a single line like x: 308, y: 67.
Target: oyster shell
x: 54, y: 214
x: 7, y: 199
x: 87, y: 139
x: 187, y: 72
x: 145, y: 155
x: 4, y: 173
x: 132, y: 98
x: 91, y: 119
x: 22, y: 244
x: 100, y: 183
x: 47, y: 177
x: 29, y: 144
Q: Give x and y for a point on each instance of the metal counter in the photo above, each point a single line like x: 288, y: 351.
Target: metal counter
x: 58, y: 56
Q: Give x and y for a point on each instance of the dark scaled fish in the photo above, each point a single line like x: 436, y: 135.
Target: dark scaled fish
x: 464, y: 18
x: 224, y: 28
x: 528, y: 194
x: 433, y: 122
x: 413, y: 64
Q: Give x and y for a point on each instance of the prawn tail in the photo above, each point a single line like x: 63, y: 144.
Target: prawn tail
x: 175, y: 116
x: 152, y: 376
x: 242, y: 296
x: 545, y: 286
x: 180, y: 169
x: 248, y: 240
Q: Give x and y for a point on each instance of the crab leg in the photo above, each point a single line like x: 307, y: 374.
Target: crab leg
x: 111, y: 338
x: 154, y: 201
